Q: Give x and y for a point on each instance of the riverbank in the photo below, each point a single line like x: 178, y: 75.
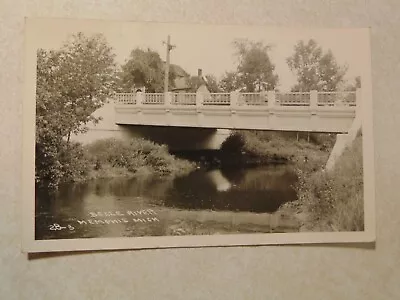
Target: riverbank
x: 136, y: 157
x: 109, y: 158
x: 331, y: 201
x: 327, y: 201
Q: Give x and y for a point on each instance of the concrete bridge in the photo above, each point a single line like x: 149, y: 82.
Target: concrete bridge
x: 332, y: 112
x: 203, y: 120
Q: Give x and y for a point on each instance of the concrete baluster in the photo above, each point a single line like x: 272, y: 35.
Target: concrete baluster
x: 271, y: 108
x: 358, y: 102
x: 313, y: 101
x: 139, y: 98
x: 199, y: 98
x: 313, y: 109
x: 168, y: 99
x: 271, y: 99
x: 234, y: 99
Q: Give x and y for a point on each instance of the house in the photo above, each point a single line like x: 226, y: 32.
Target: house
x: 183, y: 82
x: 181, y: 79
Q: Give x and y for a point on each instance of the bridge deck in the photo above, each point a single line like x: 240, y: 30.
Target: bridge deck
x: 313, y: 111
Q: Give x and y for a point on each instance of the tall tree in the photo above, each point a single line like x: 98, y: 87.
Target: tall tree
x: 229, y: 82
x: 212, y: 83
x: 209, y: 80
x: 72, y: 82
x: 255, y: 71
x: 145, y: 68
x: 315, y: 70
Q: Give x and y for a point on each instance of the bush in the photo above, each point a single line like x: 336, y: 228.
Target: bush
x: 282, y: 146
x: 134, y: 155
x: 57, y: 161
x: 74, y: 162
x: 334, y: 199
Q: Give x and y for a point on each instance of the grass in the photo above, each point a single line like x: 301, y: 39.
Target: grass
x: 327, y: 201
x: 333, y: 201
x: 306, y: 153
x: 115, y: 158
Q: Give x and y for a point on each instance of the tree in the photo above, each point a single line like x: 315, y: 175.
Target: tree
x: 72, y: 83
x: 145, y: 68
x: 229, y: 82
x: 255, y: 71
x: 209, y: 80
x: 315, y: 70
x: 212, y: 84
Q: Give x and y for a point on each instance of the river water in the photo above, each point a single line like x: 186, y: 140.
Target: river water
x: 227, y: 201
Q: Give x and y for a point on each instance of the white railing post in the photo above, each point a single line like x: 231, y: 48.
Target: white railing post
x: 168, y: 99
x: 234, y: 99
x: 199, y: 99
x: 271, y: 99
x: 313, y: 100
x: 139, y: 98
x: 313, y: 109
x: 358, y: 101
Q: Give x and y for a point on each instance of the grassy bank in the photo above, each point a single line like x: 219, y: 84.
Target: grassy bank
x: 327, y: 201
x: 112, y: 158
x: 107, y: 158
x: 333, y: 201
x: 305, y: 151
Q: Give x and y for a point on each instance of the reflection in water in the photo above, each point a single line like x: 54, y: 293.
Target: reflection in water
x: 203, y: 202
x: 221, y: 183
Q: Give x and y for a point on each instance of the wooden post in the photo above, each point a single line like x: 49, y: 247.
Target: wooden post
x: 166, y: 77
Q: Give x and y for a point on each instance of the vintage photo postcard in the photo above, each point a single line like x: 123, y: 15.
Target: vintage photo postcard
x: 155, y: 135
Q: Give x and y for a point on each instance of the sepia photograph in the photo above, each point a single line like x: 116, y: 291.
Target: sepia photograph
x: 155, y: 135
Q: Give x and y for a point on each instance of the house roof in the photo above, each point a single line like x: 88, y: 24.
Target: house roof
x: 178, y: 71
x: 181, y: 83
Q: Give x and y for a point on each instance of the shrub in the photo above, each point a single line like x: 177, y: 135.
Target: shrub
x: 74, y: 162
x: 58, y: 161
x: 335, y: 199
x: 133, y: 155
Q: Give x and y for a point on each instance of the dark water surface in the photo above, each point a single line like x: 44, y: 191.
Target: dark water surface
x: 203, y: 202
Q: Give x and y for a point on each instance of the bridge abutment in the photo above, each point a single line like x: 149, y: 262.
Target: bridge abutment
x: 345, y: 140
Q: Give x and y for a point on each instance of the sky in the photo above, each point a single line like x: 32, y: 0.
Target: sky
x: 209, y: 47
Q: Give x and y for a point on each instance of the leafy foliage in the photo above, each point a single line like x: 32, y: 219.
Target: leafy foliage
x: 229, y: 82
x: 334, y: 200
x: 146, y: 68
x: 134, y: 155
x: 315, y: 70
x: 255, y: 71
x: 210, y: 81
x: 72, y: 83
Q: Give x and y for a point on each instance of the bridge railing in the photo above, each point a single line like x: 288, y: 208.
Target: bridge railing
x: 293, y: 99
x: 183, y: 98
x: 270, y: 99
x: 253, y: 99
x: 153, y: 98
x: 217, y: 99
x: 125, y: 98
x: 337, y: 98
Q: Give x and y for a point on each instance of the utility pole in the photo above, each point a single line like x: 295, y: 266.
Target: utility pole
x: 166, y: 78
